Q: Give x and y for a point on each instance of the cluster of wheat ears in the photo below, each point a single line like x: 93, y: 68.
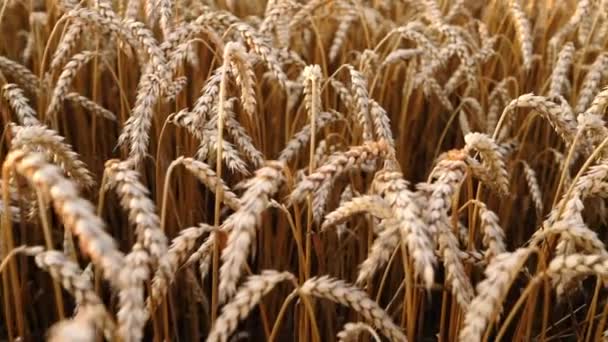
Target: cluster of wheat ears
x: 304, y: 170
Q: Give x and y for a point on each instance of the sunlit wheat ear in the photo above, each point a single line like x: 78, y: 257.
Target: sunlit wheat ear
x: 76, y: 213
x: 137, y: 128
x: 239, y: 135
x: 276, y: 19
x: 381, y: 250
x: 559, y: 75
x: 243, y: 72
x: 19, y: 103
x: 343, y: 93
x: 351, y: 332
x: 194, y: 120
x: 413, y: 231
x: 337, y: 164
x: 132, y: 313
x: 582, y: 11
x: 493, y: 170
x: 599, y: 102
x: 14, y: 212
x: 456, y: 277
x: 347, y: 16
x: 498, y: 97
x: 448, y: 174
x: 400, y: 55
x: 129, y: 31
x: 65, y: 80
x: 591, y: 183
x: 432, y: 11
x: 133, y: 9
x: 267, y: 53
x: 491, y: 293
x: 148, y: 44
x: 202, y: 256
x: 67, y: 44
x: 40, y: 138
x: 246, y: 298
x: 71, y: 277
x: 432, y: 87
x: 243, y: 223
x: 572, y: 230
x: 302, y: 137
x: 371, y: 204
x: 347, y: 195
x: 456, y: 9
x: 306, y: 11
x: 208, y: 177
x: 178, y: 252
x: 134, y: 197
x: 320, y: 199
x: 578, y: 265
x: 91, y: 106
x: 562, y: 121
x: 81, y: 328
x: 312, y: 78
x: 361, y: 98
x: 382, y: 124
x: 166, y: 16
x: 591, y: 83
x: 20, y: 74
x: 412, y: 31
x: 175, y: 88
x: 323, y: 151
x: 208, y: 148
x: 524, y: 34
x: 493, y: 235
x: 533, y: 186
x: 340, y: 292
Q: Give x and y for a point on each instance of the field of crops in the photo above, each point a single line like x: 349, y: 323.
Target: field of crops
x: 287, y: 170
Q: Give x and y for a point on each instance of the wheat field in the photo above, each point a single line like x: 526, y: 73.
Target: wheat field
x: 322, y: 170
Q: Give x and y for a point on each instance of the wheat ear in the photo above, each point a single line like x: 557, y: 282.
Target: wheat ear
x: 76, y: 213
x: 242, y: 224
x: 351, y: 331
x: 354, y: 298
x: 491, y: 292
x: 134, y: 197
x: 245, y: 299
x: 177, y: 253
x: 40, y: 138
x: 338, y: 163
